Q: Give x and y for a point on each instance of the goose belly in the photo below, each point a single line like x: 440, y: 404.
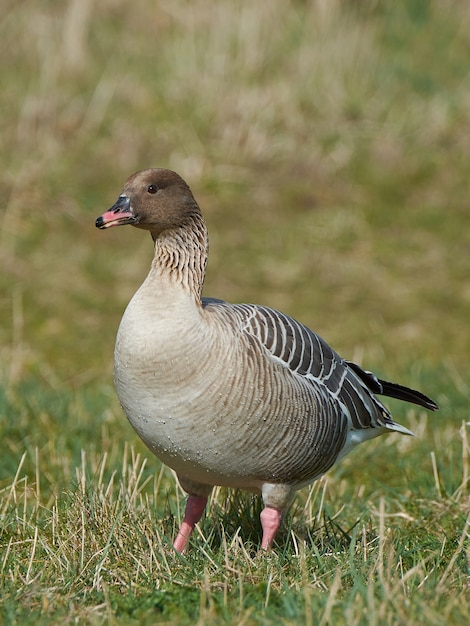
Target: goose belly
x: 224, y: 424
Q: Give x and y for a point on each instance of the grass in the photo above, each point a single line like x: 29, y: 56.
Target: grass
x: 327, y: 143
x: 86, y: 531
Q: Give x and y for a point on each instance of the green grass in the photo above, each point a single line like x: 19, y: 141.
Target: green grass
x: 86, y: 524
x: 327, y: 143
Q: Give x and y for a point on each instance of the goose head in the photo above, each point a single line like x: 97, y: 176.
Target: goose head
x: 156, y: 200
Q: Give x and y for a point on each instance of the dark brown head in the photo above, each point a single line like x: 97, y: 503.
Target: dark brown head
x: 155, y: 199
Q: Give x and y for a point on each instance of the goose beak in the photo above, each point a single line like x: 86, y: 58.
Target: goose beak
x: 119, y: 214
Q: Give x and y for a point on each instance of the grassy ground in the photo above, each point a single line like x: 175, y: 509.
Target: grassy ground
x: 87, y: 523
x: 327, y: 143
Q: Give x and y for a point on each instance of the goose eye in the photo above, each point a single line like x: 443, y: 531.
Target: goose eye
x: 152, y: 189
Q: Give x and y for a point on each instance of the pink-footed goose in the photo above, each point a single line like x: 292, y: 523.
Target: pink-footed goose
x: 237, y: 395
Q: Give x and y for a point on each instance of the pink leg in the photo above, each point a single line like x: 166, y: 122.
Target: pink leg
x: 270, y: 521
x: 194, y: 509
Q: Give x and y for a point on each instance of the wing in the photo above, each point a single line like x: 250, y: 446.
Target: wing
x: 308, y: 356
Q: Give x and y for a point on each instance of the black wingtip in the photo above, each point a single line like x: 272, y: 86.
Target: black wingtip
x: 393, y: 390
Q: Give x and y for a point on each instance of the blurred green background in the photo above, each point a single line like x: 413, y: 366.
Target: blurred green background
x: 326, y: 142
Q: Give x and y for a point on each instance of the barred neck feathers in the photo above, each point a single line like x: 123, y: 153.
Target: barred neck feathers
x: 181, y: 254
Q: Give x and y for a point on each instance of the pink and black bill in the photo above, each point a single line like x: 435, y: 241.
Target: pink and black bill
x: 118, y: 215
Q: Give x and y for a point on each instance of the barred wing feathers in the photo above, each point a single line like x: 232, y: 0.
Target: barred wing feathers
x: 333, y: 379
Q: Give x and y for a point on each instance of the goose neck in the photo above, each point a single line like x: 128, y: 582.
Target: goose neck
x: 181, y: 256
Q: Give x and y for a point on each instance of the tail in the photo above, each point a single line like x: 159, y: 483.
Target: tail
x: 393, y: 390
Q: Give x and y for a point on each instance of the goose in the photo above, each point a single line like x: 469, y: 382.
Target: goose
x: 235, y: 395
